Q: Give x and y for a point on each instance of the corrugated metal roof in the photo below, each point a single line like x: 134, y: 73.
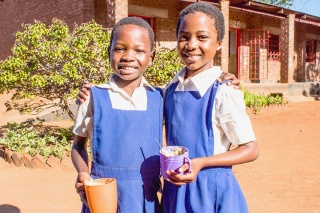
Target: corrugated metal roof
x: 267, y: 9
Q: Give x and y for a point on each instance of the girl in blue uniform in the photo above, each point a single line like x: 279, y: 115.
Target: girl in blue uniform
x: 123, y: 119
x: 207, y: 117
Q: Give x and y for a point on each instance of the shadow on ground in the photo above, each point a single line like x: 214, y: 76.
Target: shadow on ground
x: 6, y: 208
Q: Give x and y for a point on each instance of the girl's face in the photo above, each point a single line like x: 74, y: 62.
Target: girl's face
x: 197, y: 42
x: 130, y: 52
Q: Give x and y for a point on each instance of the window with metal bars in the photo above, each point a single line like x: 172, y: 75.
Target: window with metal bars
x: 311, y: 46
x: 274, y: 53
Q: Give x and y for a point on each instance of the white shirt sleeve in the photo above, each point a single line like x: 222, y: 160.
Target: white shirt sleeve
x: 84, y: 119
x: 231, y: 116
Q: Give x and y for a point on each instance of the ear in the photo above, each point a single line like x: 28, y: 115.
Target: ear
x: 219, y: 45
x: 152, y: 55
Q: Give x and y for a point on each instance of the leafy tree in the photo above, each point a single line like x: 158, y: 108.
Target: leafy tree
x: 48, y: 65
x: 164, y: 66
x: 283, y: 3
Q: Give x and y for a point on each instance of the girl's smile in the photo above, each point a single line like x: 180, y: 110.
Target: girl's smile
x: 126, y: 70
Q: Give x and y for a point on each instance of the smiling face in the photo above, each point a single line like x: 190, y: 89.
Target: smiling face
x: 130, y: 52
x: 197, y: 42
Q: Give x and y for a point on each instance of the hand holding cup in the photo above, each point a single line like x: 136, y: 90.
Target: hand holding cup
x: 172, y: 158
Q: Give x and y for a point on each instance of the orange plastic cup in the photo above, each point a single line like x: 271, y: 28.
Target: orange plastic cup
x: 102, y: 195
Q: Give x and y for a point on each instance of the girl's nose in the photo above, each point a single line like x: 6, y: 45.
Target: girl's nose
x: 191, y: 44
x: 128, y: 56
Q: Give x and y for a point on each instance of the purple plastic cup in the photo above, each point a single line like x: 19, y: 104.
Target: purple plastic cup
x: 170, y: 162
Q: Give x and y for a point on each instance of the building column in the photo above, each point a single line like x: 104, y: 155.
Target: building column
x: 301, y: 52
x: 116, y: 10
x: 287, y: 49
x: 224, y: 56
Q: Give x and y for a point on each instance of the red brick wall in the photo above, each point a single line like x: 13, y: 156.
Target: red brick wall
x: 101, y: 12
x: 274, y: 68
x: 15, y: 12
x: 164, y: 27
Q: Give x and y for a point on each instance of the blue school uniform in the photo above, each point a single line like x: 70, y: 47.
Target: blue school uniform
x: 126, y: 147
x: 189, y: 123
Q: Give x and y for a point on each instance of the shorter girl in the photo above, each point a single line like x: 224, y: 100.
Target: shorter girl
x: 123, y: 119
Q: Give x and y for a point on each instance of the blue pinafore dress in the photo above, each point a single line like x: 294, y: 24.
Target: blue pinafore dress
x: 189, y: 123
x: 126, y: 147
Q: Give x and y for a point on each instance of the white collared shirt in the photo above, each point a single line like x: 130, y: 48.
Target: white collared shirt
x: 231, y: 123
x: 83, y: 125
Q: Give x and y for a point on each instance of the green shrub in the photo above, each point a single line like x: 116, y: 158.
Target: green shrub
x: 37, y: 139
x: 258, y: 101
x: 165, y: 65
x: 52, y: 63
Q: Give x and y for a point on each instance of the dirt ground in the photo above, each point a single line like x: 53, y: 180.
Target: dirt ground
x: 284, y: 179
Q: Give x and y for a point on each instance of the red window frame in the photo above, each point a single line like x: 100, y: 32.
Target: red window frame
x: 274, y: 50
x: 150, y: 20
x: 311, y: 47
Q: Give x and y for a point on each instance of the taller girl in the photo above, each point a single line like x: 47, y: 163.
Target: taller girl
x: 208, y: 118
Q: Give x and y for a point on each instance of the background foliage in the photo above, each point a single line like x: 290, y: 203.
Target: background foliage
x: 284, y: 3
x: 165, y: 65
x: 37, y: 139
x: 259, y: 101
x: 52, y: 63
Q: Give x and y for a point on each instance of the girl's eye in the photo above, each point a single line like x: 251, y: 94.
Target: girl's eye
x: 140, y: 51
x: 118, y: 49
x: 203, y: 37
x: 183, y: 38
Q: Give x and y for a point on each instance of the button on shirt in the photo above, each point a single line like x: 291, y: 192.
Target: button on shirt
x: 231, y: 123
x: 83, y: 125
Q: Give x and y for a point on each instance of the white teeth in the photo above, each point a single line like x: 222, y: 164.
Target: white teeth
x: 192, y: 56
x: 128, y: 68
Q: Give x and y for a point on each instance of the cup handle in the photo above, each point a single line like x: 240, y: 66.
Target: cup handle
x: 187, y: 160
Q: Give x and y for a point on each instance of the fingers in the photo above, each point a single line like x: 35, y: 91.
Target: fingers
x: 82, y: 177
x: 237, y: 87
x: 180, y: 179
x: 235, y: 82
x: 184, y: 168
x: 83, y: 94
x: 84, y: 90
x: 79, y: 100
x: 225, y: 76
x: 231, y: 78
x: 83, y: 197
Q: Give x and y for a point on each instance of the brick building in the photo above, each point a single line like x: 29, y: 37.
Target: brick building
x: 265, y: 43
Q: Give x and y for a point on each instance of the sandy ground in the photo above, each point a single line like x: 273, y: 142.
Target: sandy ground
x: 284, y: 179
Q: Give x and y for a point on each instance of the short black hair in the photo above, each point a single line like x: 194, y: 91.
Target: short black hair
x: 208, y: 9
x: 134, y: 21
